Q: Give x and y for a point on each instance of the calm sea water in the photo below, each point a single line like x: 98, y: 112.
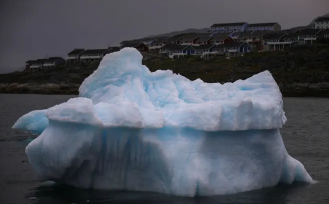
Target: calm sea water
x: 306, y: 136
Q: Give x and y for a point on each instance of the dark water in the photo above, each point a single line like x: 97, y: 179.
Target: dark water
x: 306, y: 136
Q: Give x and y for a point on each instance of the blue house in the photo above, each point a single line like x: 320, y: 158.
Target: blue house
x: 236, y: 49
x: 176, y: 51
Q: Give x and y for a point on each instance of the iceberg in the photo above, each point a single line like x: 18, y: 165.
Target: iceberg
x: 132, y: 129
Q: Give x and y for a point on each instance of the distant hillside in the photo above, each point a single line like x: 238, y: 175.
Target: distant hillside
x: 189, y: 30
x: 299, y: 71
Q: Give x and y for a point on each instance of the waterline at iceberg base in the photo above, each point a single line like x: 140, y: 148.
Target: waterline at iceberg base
x: 131, y: 129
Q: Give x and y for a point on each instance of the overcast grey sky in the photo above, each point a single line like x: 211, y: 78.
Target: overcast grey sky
x: 32, y: 29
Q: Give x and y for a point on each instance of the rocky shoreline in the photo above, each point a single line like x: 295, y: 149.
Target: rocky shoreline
x: 32, y: 88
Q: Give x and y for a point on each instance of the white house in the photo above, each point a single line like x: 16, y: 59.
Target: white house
x: 236, y: 49
x: 263, y: 27
x: 228, y: 27
x: 274, y: 41
x: 322, y: 23
x: 204, y: 51
x: 93, y: 54
x: 176, y: 51
x: 74, y: 56
x: 53, y: 62
x: 34, y: 65
x: 308, y: 36
x: 158, y: 43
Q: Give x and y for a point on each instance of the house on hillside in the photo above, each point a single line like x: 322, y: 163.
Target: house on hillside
x: 322, y: 23
x: 28, y: 65
x: 139, y: 46
x: 324, y: 36
x: 203, y: 40
x: 74, y: 56
x: 235, y: 35
x: 174, y: 40
x: 263, y: 27
x: 204, y: 51
x: 308, y: 36
x: 53, y: 62
x: 180, y: 51
x: 146, y: 41
x: 93, y: 55
x: 112, y: 49
x: 274, y: 41
x: 189, y: 39
x: 156, y: 45
x: 221, y: 38
x: 176, y: 51
x: 254, y: 39
x: 34, y: 65
x: 166, y: 48
x: 245, y: 36
x: 236, y: 49
x: 219, y: 49
x: 291, y: 39
x: 229, y: 27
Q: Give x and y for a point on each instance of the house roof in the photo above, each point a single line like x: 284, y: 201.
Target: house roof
x: 52, y: 59
x: 310, y: 31
x: 261, y: 24
x: 259, y: 33
x: 189, y: 37
x: 291, y: 35
x: 252, y: 34
x: 274, y: 35
x: 228, y: 24
x: 49, y: 60
x: 113, y: 49
x: 204, y: 39
x: 174, y: 47
x: 245, y: 34
x: 131, y: 44
x: 94, y: 51
x: 138, y: 40
x: 171, y: 39
x: 203, y: 47
x: 160, y: 41
x: 325, y: 31
x: 220, y: 36
x: 36, y: 61
x: 75, y: 51
x: 321, y: 19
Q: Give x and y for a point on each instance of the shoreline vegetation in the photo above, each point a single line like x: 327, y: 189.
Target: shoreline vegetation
x: 300, y: 71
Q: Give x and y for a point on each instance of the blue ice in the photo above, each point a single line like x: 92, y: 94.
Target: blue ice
x: 131, y: 129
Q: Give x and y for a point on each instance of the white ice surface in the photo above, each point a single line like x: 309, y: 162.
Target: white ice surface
x: 136, y: 130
